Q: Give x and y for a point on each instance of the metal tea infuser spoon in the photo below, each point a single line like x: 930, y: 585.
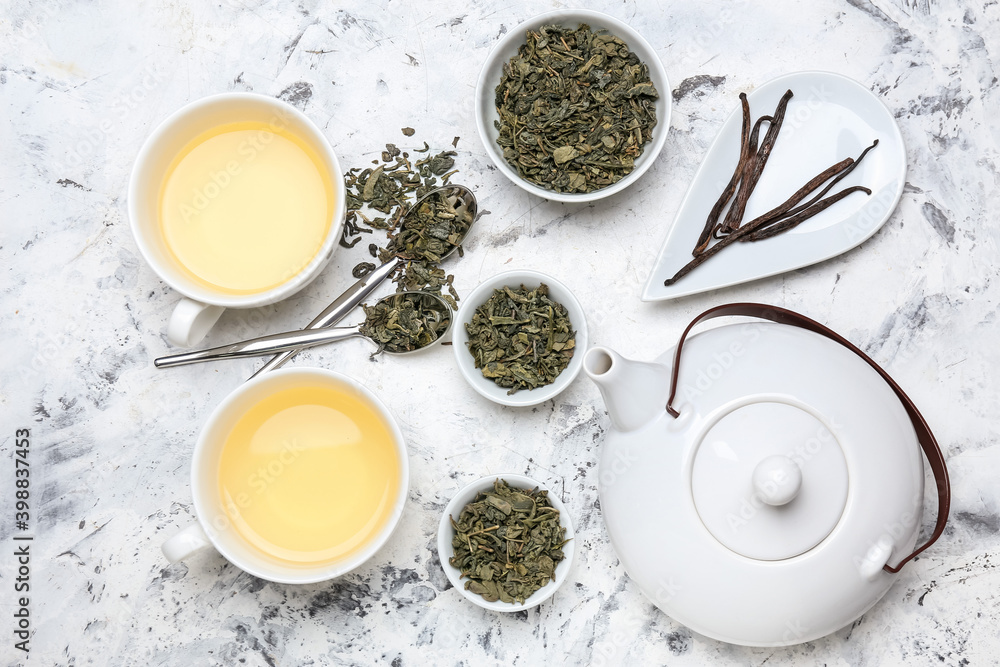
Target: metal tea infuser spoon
x: 357, y: 293
x: 303, y: 338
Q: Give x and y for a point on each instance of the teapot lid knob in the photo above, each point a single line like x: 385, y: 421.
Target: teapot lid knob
x: 777, y: 479
x: 769, y: 479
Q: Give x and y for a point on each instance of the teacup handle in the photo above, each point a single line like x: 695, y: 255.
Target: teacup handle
x: 185, y: 543
x: 190, y: 321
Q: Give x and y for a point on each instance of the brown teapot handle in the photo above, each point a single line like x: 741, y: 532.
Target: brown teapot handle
x: 924, y: 436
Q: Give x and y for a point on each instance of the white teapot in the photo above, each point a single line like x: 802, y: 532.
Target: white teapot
x: 766, y: 489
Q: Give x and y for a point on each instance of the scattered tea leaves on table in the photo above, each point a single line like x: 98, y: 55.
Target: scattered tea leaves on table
x: 389, y: 188
x: 521, y: 338
x: 507, y: 543
x: 406, y: 321
x: 362, y: 269
x: 576, y: 108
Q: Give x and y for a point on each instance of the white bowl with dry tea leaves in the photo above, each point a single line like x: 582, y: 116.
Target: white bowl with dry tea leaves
x: 506, y: 543
x: 520, y: 338
x: 573, y: 105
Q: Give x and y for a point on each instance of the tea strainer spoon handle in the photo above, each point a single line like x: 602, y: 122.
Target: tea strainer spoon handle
x: 337, y: 310
x: 263, y: 345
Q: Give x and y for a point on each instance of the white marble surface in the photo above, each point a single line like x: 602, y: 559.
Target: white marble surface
x: 81, y: 85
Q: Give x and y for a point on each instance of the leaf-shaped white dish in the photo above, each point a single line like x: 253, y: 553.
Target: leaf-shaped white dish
x: 830, y: 117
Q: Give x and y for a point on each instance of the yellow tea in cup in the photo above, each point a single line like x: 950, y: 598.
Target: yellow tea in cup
x: 309, y: 474
x: 245, y: 206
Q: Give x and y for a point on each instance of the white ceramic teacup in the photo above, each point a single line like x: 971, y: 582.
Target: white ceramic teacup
x: 201, y: 306
x: 214, y: 527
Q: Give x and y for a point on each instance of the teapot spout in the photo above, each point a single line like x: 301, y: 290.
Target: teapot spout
x: 634, y: 392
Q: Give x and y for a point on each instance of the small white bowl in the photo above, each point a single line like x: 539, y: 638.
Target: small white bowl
x: 467, y: 364
x: 507, y: 47
x: 446, y: 551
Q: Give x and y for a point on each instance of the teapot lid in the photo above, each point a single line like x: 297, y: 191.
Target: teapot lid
x: 769, y: 480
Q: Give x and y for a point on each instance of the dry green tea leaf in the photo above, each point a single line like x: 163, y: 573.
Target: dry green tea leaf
x: 576, y: 109
x: 507, y: 542
x: 390, y: 188
x: 406, y: 321
x: 521, y: 339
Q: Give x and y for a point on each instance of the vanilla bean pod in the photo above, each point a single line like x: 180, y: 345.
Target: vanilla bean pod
x: 749, y: 181
x: 838, y: 172
x: 760, y: 228
x: 740, y: 232
x: 776, y: 227
x: 839, y: 178
x: 727, y: 193
x: 748, y: 171
x: 784, y: 211
x: 723, y: 228
x: 787, y: 207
